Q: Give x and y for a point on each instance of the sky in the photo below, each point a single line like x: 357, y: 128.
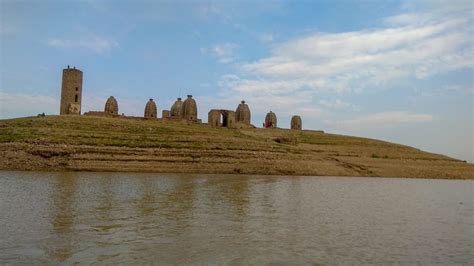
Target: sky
x: 400, y: 71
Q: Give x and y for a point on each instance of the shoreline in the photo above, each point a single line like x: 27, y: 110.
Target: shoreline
x: 169, y: 174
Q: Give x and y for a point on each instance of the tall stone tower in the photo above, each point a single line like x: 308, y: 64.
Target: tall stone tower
x: 71, y: 92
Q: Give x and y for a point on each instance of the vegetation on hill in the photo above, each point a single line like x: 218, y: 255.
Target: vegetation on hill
x: 81, y: 143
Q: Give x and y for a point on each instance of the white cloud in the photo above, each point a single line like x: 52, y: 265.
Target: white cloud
x: 404, y: 19
x: 19, y: 105
x: 261, y: 99
x: 92, y: 42
x: 414, y: 45
x: 381, y: 119
x: 336, y: 104
x: 368, y: 58
x: 266, y: 37
x: 405, y: 47
x: 225, y: 52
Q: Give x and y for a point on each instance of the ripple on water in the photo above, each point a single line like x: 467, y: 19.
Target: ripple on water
x: 216, y: 219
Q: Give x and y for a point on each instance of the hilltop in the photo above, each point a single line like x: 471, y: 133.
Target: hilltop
x: 82, y: 143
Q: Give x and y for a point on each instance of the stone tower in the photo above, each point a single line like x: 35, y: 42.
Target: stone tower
x: 190, y: 109
x: 111, y: 106
x: 71, y: 92
x: 150, y: 109
x: 270, y: 120
x: 296, y: 122
x: 242, y: 114
x: 177, y: 109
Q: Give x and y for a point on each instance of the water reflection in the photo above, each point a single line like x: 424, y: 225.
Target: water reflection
x: 187, y: 219
x: 62, y: 219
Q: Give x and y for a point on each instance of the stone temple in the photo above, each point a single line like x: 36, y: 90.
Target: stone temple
x: 242, y: 113
x: 190, y: 109
x: 270, y: 120
x: 296, y: 122
x: 71, y: 92
x: 150, y: 110
x: 176, y: 111
x: 111, y: 106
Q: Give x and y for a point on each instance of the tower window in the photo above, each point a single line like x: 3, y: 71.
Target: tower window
x: 75, y: 99
x: 77, y: 88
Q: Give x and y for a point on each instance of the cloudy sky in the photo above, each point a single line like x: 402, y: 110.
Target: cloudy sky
x: 400, y: 71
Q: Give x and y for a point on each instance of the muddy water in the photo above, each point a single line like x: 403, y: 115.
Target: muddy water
x: 181, y: 219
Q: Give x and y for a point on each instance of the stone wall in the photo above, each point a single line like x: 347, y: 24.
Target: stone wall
x: 165, y: 114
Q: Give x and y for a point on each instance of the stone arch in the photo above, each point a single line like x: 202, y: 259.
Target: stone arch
x: 221, y: 118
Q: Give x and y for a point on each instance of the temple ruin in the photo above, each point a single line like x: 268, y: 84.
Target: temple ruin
x: 150, y: 110
x: 176, y: 111
x: 270, y: 120
x: 190, y: 109
x: 296, y: 122
x: 185, y: 111
x: 228, y: 118
x: 242, y: 113
x: 111, y: 106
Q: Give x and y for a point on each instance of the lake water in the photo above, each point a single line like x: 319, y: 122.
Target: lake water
x: 221, y: 219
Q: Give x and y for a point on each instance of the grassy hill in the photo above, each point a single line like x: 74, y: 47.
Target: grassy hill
x: 81, y: 143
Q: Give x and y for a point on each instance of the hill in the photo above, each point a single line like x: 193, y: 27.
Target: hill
x: 81, y: 143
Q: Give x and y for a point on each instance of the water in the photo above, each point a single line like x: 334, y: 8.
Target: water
x: 182, y: 219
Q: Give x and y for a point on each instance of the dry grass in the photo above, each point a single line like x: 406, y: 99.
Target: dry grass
x: 83, y: 143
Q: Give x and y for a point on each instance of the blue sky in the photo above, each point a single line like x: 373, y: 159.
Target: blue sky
x: 400, y: 71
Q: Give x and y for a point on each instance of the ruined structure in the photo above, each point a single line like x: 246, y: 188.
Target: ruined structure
x: 71, y: 96
x: 190, y: 109
x: 270, y: 120
x: 242, y: 113
x: 296, y: 122
x: 214, y: 118
x: 111, y: 106
x: 150, y: 110
x: 71, y: 92
x: 228, y: 118
x: 176, y: 111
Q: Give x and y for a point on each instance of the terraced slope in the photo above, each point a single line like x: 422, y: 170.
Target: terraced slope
x: 81, y: 143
